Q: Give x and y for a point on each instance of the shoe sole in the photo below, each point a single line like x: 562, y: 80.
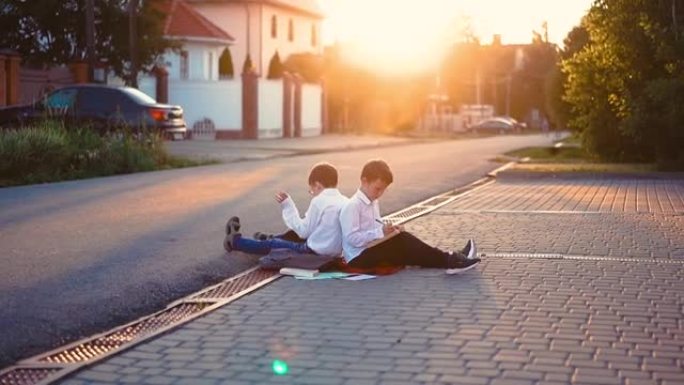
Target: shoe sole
x: 232, y: 227
x: 226, y: 244
x: 461, y: 270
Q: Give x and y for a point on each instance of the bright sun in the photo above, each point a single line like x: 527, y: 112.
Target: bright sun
x: 399, y: 36
x: 392, y: 35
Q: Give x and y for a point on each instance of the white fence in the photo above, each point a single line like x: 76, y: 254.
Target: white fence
x: 218, y: 101
x: 270, y: 108
x: 218, y: 104
x: 311, y: 110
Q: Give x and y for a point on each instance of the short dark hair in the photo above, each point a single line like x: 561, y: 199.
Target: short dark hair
x: 377, y: 169
x: 323, y: 173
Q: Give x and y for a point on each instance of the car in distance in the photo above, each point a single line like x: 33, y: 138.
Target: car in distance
x: 101, y: 107
x: 495, y: 125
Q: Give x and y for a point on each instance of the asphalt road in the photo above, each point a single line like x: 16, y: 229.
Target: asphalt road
x: 81, y: 257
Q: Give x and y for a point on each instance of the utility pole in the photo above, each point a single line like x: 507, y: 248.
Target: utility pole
x: 132, y: 40
x: 90, y: 37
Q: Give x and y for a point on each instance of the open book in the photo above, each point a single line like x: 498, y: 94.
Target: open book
x: 295, y: 272
x: 383, y: 239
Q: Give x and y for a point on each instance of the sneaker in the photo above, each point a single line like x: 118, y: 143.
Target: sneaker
x: 470, y: 250
x: 458, y: 263
x: 232, y: 228
x: 233, y: 225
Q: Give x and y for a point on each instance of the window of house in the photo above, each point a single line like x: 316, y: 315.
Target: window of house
x: 210, y: 66
x: 274, y: 26
x: 290, y: 31
x: 184, y: 65
x: 314, y: 35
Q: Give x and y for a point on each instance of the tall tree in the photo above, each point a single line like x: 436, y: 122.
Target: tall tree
x: 53, y: 32
x: 623, y: 86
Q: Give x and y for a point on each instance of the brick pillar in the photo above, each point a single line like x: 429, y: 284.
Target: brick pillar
x: 12, y: 66
x: 287, y: 105
x: 324, y: 108
x: 297, y: 106
x: 3, y: 81
x: 250, y: 105
x: 80, y: 71
x: 162, y: 84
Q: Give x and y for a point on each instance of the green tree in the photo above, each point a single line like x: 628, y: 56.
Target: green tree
x: 247, y: 66
x: 226, y: 64
x: 308, y: 65
x: 623, y: 85
x: 275, y: 67
x: 52, y: 32
x: 558, y: 109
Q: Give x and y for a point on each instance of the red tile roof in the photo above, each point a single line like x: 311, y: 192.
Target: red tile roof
x: 306, y: 7
x: 182, y: 20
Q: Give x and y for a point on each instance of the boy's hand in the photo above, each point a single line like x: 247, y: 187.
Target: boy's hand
x: 281, y: 196
x: 390, y: 228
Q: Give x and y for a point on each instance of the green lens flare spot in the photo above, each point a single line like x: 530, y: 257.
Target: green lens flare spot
x: 279, y: 367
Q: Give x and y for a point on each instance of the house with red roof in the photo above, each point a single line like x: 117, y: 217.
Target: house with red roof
x: 205, y: 75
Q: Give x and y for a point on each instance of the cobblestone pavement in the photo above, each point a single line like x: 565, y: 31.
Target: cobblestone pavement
x: 515, y: 320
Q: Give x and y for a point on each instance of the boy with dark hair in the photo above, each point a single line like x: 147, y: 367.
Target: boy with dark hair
x: 318, y: 232
x: 362, y: 228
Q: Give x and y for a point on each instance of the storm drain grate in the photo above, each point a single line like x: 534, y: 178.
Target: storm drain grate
x: 236, y: 285
x: 26, y: 376
x: 581, y: 258
x: 102, y: 345
x: 437, y: 201
x: 407, y: 214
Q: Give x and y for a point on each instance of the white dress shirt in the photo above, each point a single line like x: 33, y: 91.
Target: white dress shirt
x: 320, y: 225
x: 359, y: 225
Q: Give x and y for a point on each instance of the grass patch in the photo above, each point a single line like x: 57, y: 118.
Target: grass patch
x: 49, y: 152
x: 586, y: 167
x: 553, y: 154
x: 571, y: 158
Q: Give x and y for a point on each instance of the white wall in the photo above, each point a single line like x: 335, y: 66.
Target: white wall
x: 311, y: 110
x: 220, y: 101
x: 232, y: 18
x: 302, y: 35
x: 199, y: 67
x: 270, y: 108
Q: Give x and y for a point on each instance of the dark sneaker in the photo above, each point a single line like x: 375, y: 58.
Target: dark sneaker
x: 232, y: 228
x: 458, y: 263
x: 233, y: 225
x: 470, y: 250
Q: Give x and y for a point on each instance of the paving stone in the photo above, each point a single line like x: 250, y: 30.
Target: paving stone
x: 511, y: 320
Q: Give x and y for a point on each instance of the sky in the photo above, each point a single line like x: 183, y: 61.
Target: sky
x: 415, y: 32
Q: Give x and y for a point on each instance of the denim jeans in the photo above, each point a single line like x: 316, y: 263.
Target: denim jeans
x: 253, y: 246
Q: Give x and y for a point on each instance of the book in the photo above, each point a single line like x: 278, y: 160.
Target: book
x: 383, y: 239
x: 295, y: 272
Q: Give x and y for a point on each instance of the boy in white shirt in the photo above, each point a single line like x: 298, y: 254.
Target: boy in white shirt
x: 362, y: 227
x: 319, y: 231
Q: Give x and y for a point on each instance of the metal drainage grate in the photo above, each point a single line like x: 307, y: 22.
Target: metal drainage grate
x: 407, y: 214
x: 236, y: 284
x: 437, y: 200
x: 26, y: 376
x: 581, y: 258
x: 101, y: 345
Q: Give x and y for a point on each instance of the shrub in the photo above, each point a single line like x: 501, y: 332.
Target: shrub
x: 49, y: 152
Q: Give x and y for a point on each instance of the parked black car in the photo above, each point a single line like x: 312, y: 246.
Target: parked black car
x: 101, y: 107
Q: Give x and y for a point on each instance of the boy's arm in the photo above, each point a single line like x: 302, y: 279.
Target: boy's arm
x: 353, y: 233
x: 302, y: 226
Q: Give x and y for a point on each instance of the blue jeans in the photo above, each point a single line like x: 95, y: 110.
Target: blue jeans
x: 253, y: 246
